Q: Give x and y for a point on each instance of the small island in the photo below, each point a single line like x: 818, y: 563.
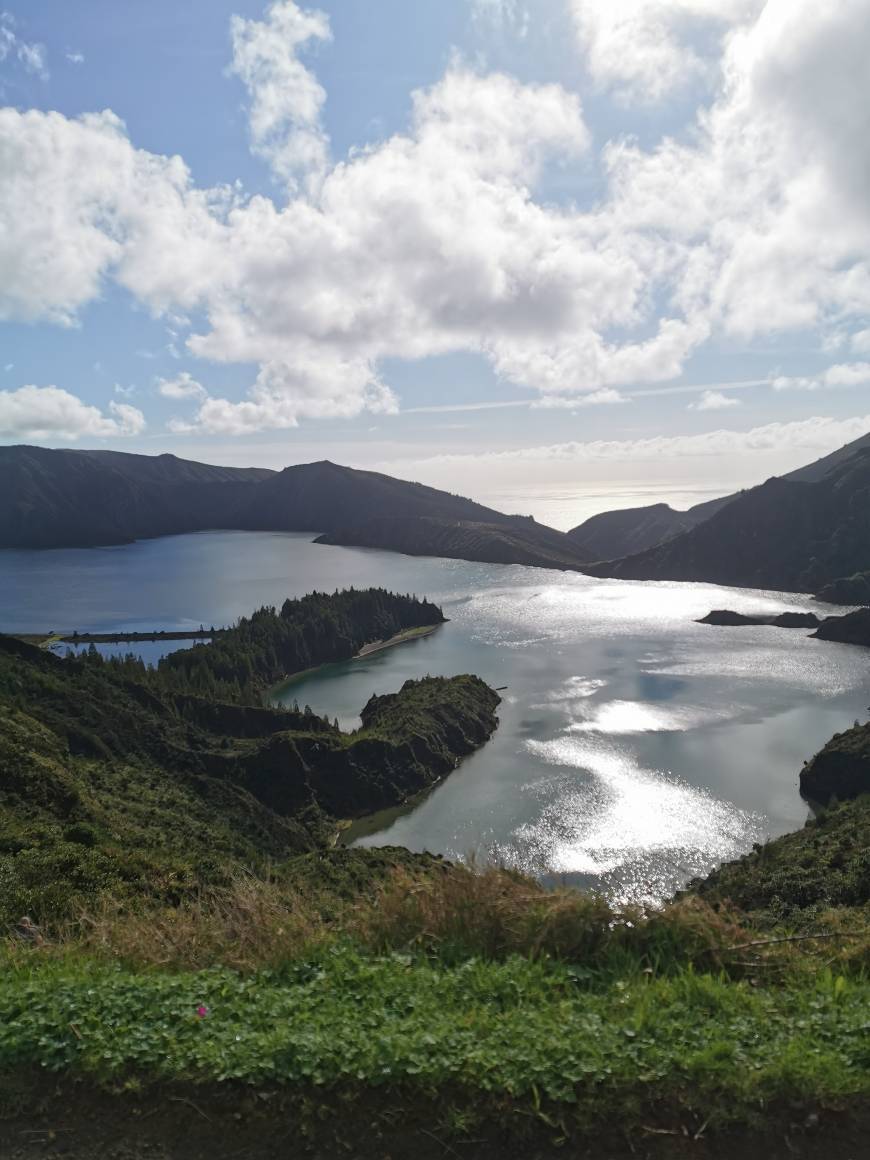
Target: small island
x: 853, y: 628
x: 725, y: 618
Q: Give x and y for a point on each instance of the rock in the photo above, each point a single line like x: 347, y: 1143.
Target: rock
x: 726, y: 618
x: 841, y: 770
x: 854, y: 628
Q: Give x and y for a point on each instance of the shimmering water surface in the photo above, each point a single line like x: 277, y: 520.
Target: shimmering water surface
x: 636, y: 749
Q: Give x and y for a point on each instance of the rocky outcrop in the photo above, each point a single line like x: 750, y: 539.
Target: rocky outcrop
x: 841, y: 770
x: 854, y: 628
x: 726, y: 618
x: 408, y: 741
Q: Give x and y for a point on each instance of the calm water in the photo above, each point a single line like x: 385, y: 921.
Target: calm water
x: 636, y: 748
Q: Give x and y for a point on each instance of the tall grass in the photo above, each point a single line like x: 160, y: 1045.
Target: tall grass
x: 492, y: 913
x: 252, y: 924
x: 450, y: 915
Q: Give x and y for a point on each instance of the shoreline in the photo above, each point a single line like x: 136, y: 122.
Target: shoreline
x: 46, y: 639
x: 367, y: 650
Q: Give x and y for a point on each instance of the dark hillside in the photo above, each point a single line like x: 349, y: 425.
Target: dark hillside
x: 55, y: 499
x: 610, y: 535
x: 785, y: 535
x: 320, y: 497
x: 517, y: 542
x: 613, y: 535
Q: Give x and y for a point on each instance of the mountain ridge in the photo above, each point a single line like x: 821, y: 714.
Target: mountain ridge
x: 81, y: 498
x: 787, y: 534
x: 613, y: 535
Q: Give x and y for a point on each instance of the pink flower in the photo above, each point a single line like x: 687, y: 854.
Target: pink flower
x: 202, y: 1011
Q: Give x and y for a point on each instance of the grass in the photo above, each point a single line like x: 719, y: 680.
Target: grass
x: 472, y: 999
x: 802, y: 875
x: 530, y: 1034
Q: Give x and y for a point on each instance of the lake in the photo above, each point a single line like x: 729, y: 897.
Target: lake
x: 636, y: 748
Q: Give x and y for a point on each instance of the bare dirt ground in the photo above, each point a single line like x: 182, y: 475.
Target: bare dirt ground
x: 84, y: 1124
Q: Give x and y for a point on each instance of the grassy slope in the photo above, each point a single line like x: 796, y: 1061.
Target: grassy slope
x: 108, y: 787
x: 802, y: 875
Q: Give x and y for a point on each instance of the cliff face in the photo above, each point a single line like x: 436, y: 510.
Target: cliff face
x: 409, y: 741
x: 841, y: 770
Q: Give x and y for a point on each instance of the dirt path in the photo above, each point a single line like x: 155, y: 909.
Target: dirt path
x: 65, y: 1120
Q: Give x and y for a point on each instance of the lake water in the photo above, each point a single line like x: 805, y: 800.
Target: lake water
x: 636, y: 748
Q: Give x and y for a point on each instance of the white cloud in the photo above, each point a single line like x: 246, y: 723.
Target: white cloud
x: 30, y: 55
x: 761, y: 212
x: 51, y: 413
x: 819, y: 435
x: 78, y: 203
x: 714, y: 401
x: 438, y: 240
x: 605, y: 396
x: 648, y: 48
x: 840, y: 375
x: 183, y: 386
x: 286, y: 98
x: 75, y: 57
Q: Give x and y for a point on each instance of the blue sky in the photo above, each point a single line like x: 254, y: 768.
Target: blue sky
x: 555, y: 254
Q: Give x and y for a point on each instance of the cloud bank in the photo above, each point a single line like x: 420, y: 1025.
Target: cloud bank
x: 754, y: 222
x: 52, y: 413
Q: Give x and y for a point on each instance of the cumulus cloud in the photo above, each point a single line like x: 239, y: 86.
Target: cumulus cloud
x: 648, y: 48
x: 286, y: 99
x: 28, y: 54
x: 75, y: 57
x: 52, y: 413
x: 438, y: 240
x: 714, y: 401
x: 840, y: 375
x: 78, y: 202
x: 183, y: 386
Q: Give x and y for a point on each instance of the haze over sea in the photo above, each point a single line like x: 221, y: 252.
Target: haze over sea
x: 636, y: 749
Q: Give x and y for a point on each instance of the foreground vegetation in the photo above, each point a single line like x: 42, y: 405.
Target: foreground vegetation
x: 473, y: 1003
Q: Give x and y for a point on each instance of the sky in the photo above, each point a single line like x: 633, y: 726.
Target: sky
x: 558, y: 255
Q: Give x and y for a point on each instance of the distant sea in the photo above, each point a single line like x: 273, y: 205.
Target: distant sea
x: 565, y: 508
